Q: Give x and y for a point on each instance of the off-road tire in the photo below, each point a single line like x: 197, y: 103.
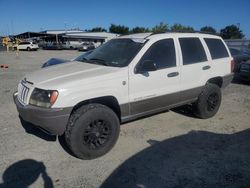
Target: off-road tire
x: 204, y: 107
x: 80, y: 123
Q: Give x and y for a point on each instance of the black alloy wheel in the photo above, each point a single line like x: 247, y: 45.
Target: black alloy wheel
x: 96, y: 134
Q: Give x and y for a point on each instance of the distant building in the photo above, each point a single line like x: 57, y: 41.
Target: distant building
x: 96, y: 37
x: 240, y: 44
x: 61, y: 31
x: 74, y: 37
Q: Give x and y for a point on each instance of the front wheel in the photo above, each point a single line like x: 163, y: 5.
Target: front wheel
x: 28, y: 49
x: 208, y: 102
x: 92, y: 131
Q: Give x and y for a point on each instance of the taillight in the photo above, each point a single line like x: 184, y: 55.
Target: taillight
x: 232, y: 66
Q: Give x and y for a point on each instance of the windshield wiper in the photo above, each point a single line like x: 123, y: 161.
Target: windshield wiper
x: 99, y: 61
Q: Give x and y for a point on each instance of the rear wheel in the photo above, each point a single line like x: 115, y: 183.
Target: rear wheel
x: 92, y: 131
x: 208, y: 102
x: 28, y: 49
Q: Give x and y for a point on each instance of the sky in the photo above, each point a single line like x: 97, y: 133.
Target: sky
x: 18, y: 16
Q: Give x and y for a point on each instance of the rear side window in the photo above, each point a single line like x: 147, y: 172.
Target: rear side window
x: 192, y: 51
x: 162, y: 53
x: 217, y: 48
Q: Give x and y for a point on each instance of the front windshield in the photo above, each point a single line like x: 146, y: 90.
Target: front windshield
x: 116, y: 52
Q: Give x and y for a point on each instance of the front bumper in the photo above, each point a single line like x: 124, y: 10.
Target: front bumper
x: 52, y: 120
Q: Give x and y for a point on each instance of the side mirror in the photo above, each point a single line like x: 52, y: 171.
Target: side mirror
x: 146, y: 66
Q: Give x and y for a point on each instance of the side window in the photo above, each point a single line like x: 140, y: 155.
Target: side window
x: 162, y: 53
x: 217, y: 48
x: 192, y: 51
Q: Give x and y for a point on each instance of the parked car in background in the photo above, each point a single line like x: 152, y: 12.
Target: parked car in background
x: 86, y: 46
x: 247, y: 51
x: 244, y: 71
x: 27, y: 46
x: 239, y: 57
x: 69, y: 46
x: 53, y: 46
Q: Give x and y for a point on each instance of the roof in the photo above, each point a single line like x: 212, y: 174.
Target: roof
x: 91, y: 34
x: 137, y: 36
x: 31, y: 34
x: 61, y: 31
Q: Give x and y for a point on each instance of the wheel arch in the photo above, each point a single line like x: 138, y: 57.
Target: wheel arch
x: 109, y: 101
x: 216, y: 80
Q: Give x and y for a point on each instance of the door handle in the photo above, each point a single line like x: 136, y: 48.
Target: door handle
x: 206, y: 67
x: 173, y: 74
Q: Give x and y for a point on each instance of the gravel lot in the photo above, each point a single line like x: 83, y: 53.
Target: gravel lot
x: 171, y: 149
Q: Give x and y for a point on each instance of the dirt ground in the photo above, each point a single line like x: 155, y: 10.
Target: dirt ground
x: 171, y: 149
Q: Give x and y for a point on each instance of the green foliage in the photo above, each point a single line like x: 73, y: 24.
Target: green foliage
x: 119, y: 29
x: 181, y: 28
x: 98, y: 29
x: 208, y: 29
x: 231, y: 32
x: 161, y: 28
x: 139, y: 30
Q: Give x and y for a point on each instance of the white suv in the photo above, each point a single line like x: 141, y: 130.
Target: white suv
x: 28, y: 46
x: 124, y: 79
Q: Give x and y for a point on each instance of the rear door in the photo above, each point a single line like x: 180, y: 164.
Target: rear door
x: 195, y: 67
x: 220, y: 56
x: 156, y: 89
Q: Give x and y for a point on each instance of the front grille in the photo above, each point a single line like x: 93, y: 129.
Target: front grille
x: 23, y: 92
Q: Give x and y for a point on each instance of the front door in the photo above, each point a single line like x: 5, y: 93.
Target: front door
x: 154, y: 90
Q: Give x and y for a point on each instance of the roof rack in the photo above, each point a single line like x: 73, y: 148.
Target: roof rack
x: 201, y: 32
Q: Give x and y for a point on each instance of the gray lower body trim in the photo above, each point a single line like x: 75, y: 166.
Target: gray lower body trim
x: 155, y: 105
x: 53, y: 120
x: 227, y: 80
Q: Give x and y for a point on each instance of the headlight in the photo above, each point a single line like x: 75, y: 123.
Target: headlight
x: 43, y: 98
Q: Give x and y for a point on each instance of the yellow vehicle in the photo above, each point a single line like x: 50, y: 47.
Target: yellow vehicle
x: 11, y: 43
x: 6, y: 41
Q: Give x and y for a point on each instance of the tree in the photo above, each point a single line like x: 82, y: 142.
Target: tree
x: 231, y: 32
x: 139, y: 30
x: 181, y: 28
x: 119, y: 29
x: 98, y: 29
x: 208, y: 29
x: 161, y: 28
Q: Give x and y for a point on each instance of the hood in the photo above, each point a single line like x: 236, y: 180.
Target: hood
x: 53, y: 76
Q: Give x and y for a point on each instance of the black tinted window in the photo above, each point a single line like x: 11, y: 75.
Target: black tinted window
x: 162, y: 53
x: 217, y: 48
x: 192, y: 51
